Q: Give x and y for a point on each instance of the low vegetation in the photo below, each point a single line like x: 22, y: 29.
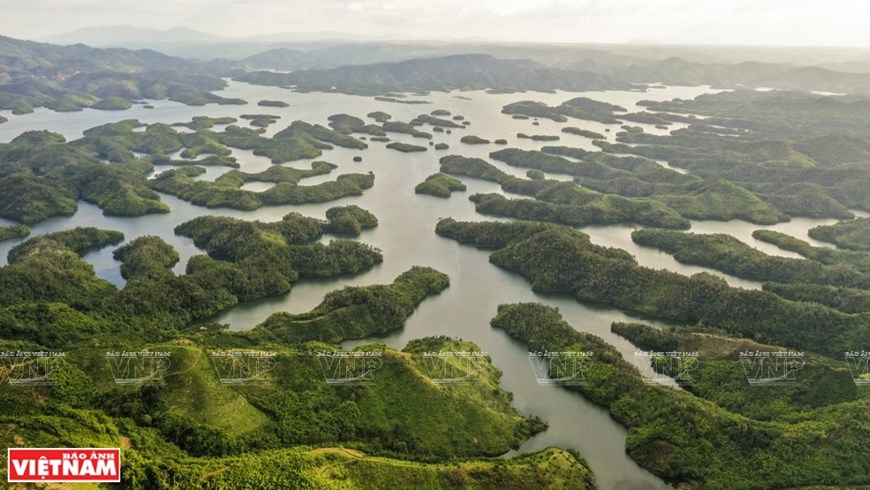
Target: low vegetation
x: 13, y: 232
x: 405, y: 147
x: 439, y: 185
x: 358, y: 312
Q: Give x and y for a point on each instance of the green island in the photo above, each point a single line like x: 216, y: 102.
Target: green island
x: 769, y: 440
x: 379, y: 116
x: 606, y: 209
x: 580, y: 154
x: 112, y: 103
x: 198, y: 123
x: 535, y: 174
x: 435, y: 122
x: 226, y: 190
x: 578, y: 108
x: 12, y: 232
x: 260, y: 120
x: 400, y: 100
x: 583, y: 132
x: 473, y: 140
x: 538, y: 137
x: 558, y: 202
x: 357, y: 312
x: 562, y: 260
x: 853, y: 235
x: 442, y: 146
x: 825, y: 255
x: 344, y: 123
x: 660, y: 120
x: 690, y: 196
x: 300, y: 140
x: 349, y: 220
x: 405, y: 147
x: 849, y: 300
x: 272, y: 103
x: 728, y: 254
x: 405, y: 128
x: 439, y: 185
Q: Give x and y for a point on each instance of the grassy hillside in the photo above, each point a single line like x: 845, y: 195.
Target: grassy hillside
x: 185, y: 423
x: 702, y: 444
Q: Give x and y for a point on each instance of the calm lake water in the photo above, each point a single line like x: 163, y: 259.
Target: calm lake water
x: 406, y: 236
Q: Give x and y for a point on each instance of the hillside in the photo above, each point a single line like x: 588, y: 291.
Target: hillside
x: 463, y: 72
x: 69, y: 78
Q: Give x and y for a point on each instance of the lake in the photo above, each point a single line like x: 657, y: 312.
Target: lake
x: 406, y: 236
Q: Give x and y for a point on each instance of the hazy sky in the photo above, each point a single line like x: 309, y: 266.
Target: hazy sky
x: 767, y: 22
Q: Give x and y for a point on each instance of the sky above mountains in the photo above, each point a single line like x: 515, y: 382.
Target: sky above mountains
x: 736, y: 22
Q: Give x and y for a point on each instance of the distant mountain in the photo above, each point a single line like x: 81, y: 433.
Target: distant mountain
x: 820, y: 79
x: 335, y: 56
x: 130, y: 36
x: 464, y: 72
x: 51, y: 61
x: 288, y: 36
x: 784, y: 76
x: 677, y: 71
x: 277, y: 59
x: 68, y: 78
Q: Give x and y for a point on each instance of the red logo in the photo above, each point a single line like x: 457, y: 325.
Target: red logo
x: 64, y: 465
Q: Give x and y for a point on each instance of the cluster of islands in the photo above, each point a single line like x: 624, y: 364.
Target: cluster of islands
x: 762, y: 157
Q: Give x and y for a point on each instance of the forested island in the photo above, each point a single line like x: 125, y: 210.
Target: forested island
x: 405, y: 147
x: 439, y: 185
